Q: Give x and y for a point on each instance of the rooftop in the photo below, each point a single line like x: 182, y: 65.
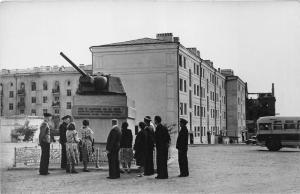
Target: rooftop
x: 44, y: 69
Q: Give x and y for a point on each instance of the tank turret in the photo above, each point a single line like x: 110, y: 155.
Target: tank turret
x: 96, y: 84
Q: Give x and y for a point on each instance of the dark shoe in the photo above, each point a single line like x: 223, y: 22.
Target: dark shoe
x: 182, y: 175
x: 74, y: 172
x: 67, y: 170
x: 112, y: 177
x: 161, y: 177
x: 85, y: 170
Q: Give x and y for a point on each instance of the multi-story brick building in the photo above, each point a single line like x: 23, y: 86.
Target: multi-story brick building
x: 167, y: 79
x: 38, y: 90
x: 236, y: 106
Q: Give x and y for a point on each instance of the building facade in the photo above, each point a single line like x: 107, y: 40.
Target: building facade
x: 167, y: 79
x: 236, y: 106
x: 38, y: 90
x: 259, y: 105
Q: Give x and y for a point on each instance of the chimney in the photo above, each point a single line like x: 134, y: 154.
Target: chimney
x: 165, y: 36
x: 176, y: 39
x: 227, y: 72
x: 273, y: 92
x: 219, y: 70
x: 198, y: 53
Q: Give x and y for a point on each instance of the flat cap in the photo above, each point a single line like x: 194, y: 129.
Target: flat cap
x: 47, y: 114
x: 65, y: 117
x: 147, y: 118
x: 183, y: 121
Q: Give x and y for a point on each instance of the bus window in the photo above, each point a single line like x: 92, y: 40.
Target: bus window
x: 289, y: 125
x: 264, y: 126
x: 277, y: 125
x: 298, y: 124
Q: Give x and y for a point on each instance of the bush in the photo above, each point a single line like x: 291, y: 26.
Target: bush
x: 26, y: 131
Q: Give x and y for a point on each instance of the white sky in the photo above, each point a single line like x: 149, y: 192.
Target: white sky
x: 260, y: 41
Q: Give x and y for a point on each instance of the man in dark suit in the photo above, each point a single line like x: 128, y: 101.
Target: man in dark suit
x: 149, y: 144
x: 162, y: 140
x: 112, y: 150
x: 44, y: 142
x: 182, y: 146
x: 63, y: 140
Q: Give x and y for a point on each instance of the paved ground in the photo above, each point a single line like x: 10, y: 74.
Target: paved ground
x: 213, y: 169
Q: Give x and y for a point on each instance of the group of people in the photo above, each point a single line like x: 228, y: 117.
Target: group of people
x: 119, y: 147
x: 71, y: 144
x: 148, y: 137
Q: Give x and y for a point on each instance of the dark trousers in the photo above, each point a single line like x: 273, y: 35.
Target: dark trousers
x: 183, y: 163
x: 63, y: 156
x: 44, y: 163
x: 149, y: 165
x: 162, y: 162
x: 114, y: 165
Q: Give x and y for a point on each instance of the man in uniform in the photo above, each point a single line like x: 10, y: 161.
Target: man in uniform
x: 182, y: 146
x: 112, y: 150
x: 149, y: 134
x: 44, y: 142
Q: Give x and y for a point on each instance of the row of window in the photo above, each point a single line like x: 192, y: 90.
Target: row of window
x: 278, y: 125
x: 45, y: 84
x: 11, y: 106
x: 199, y: 111
x: 11, y: 94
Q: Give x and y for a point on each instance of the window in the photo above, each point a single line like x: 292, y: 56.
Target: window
x: 56, y: 98
x: 198, y: 88
x: 298, y: 124
x: 69, y: 83
x: 69, y: 93
x: 198, y: 110
x: 190, y: 99
x: 195, y: 110
x: 11, y: 94
x: 184, y: 62
x: 264, y: 126
x: 194, y: 89
x: 11, y: 84
x: 22, y: 111
x: 33, y: 99
x: 277, y: 125
x: 181, y: 108
x: 190, y: 77
x: 289, y: 125
x: 45, y: 99
x: 45, y: 111
x: 185, y: 108
x: 33, y: 112
x: 56, y: 111
x: 45, y: 85
x: 33, y: 86
x: 69, y: 106
x: 197, y: 69
x: 11, y: 106
x: 184, y: 84
x: 180, y: 60
x: 180, y: 84
x: 194, y: 68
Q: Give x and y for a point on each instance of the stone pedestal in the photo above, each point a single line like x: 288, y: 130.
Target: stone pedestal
x: 100, y: 110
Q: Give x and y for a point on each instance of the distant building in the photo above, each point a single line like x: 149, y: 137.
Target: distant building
x: 236, y: 106
x: 259, y: 105
x: 167, y: 79
x: 38, y: 90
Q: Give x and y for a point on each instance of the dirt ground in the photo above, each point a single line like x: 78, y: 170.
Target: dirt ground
x: 213, y: 169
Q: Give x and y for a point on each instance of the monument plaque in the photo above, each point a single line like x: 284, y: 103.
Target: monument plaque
x: 94, y: 111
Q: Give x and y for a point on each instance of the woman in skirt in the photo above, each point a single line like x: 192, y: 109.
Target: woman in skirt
x: 72, y: 147
x: 87, y: 143
x: 126, y: 153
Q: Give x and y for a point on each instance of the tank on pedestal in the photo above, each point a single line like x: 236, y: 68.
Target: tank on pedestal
x: 101, y: 98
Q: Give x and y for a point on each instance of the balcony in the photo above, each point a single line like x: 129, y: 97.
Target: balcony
x: 56, y: 104
x: 56, y: 91
x: 21, y: 92
x: 21, y: 105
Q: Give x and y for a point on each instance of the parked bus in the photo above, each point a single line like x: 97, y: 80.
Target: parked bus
x: 276, y: 132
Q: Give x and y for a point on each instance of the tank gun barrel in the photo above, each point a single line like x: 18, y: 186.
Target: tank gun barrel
x: 82, y: 72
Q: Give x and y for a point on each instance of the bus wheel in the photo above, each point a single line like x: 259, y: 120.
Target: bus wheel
x: 273, y: 145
